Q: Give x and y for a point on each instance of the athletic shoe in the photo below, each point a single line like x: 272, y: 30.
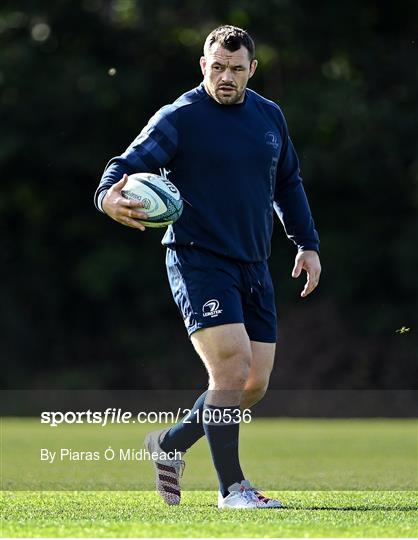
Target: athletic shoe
x: 245, y: 496
x: 168, y: 471
x: 239, y: 497
x: 263, y: 501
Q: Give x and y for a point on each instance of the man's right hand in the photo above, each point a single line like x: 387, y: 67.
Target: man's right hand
x: 124, y: 211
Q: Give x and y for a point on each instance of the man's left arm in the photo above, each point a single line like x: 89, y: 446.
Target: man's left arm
x: 292, y: 207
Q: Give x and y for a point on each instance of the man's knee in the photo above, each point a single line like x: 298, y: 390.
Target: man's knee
x: 231, y: 370
x: 253, y: 393
x: 227, y: 354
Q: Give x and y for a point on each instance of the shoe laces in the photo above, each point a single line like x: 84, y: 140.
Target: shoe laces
x: 249, y: 494
x: 258, y: 495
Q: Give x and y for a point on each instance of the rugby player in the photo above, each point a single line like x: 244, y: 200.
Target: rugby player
x: 230, y: 155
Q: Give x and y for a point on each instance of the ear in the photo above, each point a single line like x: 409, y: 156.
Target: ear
x: 253, y: 67
x: 202, y: 63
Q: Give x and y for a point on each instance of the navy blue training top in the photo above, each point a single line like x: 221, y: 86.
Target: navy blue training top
x: 233, y: 164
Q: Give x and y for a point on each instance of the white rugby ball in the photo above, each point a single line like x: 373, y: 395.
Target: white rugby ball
x: 161, y: 199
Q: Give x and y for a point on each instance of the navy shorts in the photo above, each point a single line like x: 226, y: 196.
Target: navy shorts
x: 211, y: 290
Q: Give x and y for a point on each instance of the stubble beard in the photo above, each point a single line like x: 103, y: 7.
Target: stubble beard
x: 232, y: 99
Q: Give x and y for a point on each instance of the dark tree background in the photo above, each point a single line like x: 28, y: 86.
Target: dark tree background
x: 85, y: 302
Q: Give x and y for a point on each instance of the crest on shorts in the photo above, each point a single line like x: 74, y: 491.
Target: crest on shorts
x: 211, y: 308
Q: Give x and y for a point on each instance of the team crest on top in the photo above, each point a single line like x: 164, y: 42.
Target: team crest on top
x: 211, y: 308
x: 272, y: 139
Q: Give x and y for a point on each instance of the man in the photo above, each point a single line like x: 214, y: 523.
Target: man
x: 230, y: 155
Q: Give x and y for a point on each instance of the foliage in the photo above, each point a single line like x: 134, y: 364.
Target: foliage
x: 83, y: 301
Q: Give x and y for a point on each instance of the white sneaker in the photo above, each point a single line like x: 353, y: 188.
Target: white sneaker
x: 239, y: 497
x: 263, y: 501
x: 245, y: 496
x: 168, y: 471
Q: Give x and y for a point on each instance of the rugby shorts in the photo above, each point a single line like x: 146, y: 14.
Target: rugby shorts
x: 212, y: 290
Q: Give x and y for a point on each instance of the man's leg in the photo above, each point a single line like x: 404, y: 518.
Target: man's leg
x: 255, y: 388
x: 226, y: 353
x: 187, y: 431
x: 183, y: 435
x: 262, y: 361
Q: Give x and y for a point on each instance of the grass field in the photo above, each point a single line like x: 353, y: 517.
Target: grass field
x: 142, y: 514
x: 336, y: 477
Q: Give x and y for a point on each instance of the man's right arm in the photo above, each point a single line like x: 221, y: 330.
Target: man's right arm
x: 153, y: 149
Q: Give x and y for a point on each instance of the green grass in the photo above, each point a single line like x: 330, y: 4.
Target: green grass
x: 336, y: 477
x: 143, y: 514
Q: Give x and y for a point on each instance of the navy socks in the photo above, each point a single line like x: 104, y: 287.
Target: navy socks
x: 223, y: 441
x: 183, y: 435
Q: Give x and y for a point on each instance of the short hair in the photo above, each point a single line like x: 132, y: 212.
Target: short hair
x: 230, y: 38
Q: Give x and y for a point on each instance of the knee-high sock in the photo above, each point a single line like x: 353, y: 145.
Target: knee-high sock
x: 183, y: 435
x: 223, y: 441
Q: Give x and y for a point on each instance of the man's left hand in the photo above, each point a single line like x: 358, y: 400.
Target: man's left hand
x: 308, y: 261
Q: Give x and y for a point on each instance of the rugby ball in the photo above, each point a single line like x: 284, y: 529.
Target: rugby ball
x: 160, y: 197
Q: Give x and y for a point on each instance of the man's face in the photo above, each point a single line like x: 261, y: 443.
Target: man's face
x: 226, y: 73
